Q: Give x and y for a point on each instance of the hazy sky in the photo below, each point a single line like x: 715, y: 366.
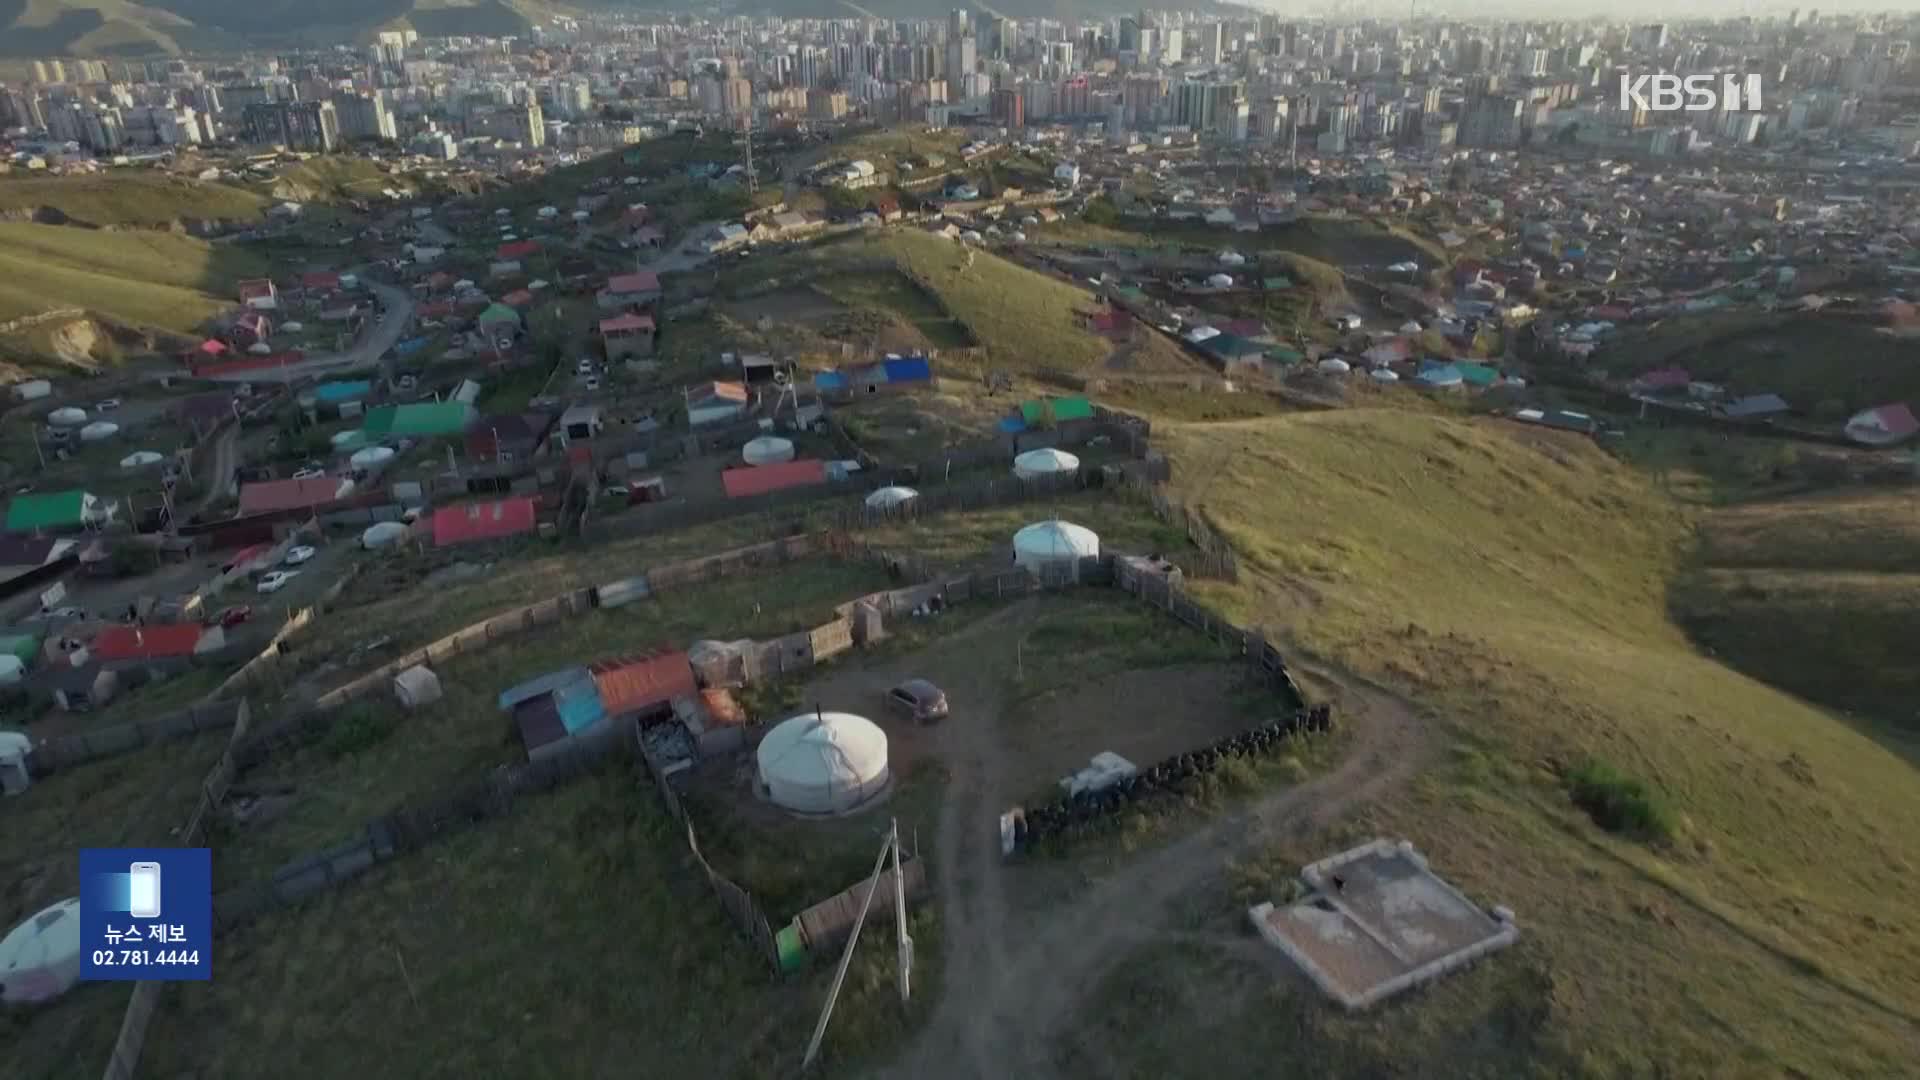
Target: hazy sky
x: 1564, y: 9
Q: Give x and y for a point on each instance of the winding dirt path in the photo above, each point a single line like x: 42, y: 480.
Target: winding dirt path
x: 1011, y: 983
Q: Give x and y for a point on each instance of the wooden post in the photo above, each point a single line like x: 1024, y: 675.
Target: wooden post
x: 846, y: 957
x: 903, y: 939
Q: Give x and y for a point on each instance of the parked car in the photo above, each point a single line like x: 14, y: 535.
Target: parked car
x: 107, y: 405
x: 231, y: 617
x: 919, y: 701
x: 593, y: 383
x: 298, y: 555
x: 277, y: 580
x: 65, y: 614
x: 308, y: 472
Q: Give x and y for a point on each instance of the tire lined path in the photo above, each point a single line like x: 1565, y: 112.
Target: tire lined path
x: 1012, y: 980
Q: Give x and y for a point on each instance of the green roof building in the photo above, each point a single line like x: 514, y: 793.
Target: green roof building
x: 498, y: 313
x: 425, y: 418
x: 53, y: 510
x: 1071, y: 408
x: 1477, y: 375
x: 1276, y: 284
x: 1280, y: 354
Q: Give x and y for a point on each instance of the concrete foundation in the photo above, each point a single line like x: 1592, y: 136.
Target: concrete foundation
x: 1380, y: 922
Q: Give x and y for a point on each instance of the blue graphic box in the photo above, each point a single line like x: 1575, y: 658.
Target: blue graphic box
x: 146, y: 913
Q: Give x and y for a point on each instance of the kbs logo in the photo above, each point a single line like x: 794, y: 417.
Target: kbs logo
x: 1694, y: 93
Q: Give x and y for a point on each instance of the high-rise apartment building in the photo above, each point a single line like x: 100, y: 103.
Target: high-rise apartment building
x: 296, y: 125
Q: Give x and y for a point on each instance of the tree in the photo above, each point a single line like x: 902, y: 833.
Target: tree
x: 843, y: 201
x: 1100, y: 211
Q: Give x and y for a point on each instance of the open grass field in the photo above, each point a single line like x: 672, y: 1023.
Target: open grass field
x: 1818, y: 595
x: 1828, y: 367
x: 1024, y: 319
x: 146, y: 279
x: 1338, y: 242
x: 1519, y: 588
x: 142, y: 199
x: 130, y: 801
x: 378, y: 756
x: 571, y: 938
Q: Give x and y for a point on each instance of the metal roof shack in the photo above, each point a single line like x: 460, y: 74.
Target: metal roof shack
x: 171, y: 641
x: 761, y: 479
x: 631, y: 684
x: 467, y: 523
x: 269, y: 496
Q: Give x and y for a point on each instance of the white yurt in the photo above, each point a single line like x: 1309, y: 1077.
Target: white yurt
x: 12, y: 670
x: 1221, y: 281
x: 1045, y: 462
x: 1333, y: 365
x: 295, y: 327
x: 1017, y: 236
x: 1381, y: 374
x: 260, y: 348
x: 98, y: 431
x: 823, y: 762
x: 14, y: 749
x: 371, y: 457
x: 142, y: 459
x: 1410, y: 327
x: 767, y: 450
x: 383, y: 534
x: 891, y: 496
x: 348, y: 440
x: 40, y: 959
x: 1054, y: 543
x: 581, y: 215
x: 67, y: 417
x: 415, y: 687
x: 1232, y: 258
x: 549, y: 211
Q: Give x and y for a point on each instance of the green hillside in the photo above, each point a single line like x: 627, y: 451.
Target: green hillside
x: 1515, y: 587
x: 148, y: 199
x: 1819, y: 595
x: 1829, y: 366
x: 1024, y: 319
x: 144, y: 279
x: 105, y: 28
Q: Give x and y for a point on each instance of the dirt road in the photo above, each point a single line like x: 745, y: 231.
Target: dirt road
x: 1012, y: 980
x: 219, y: 479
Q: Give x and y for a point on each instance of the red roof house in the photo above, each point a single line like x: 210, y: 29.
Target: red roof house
x: 518, y: 298
x: 167, y: 642
x: 1883, y: 426
x: 519, y: 249
x: 1672, y: 378
x: 269, y: 496
x: 320, y: 280
x: 760, y: 479
x: 630, y: 684
x: 467, y: 523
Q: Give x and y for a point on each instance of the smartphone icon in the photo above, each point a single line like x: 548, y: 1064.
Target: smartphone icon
x: 143, y: 893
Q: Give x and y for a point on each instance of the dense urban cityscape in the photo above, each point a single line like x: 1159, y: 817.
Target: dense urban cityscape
x: 1832, y: 84
x: 542, y: 540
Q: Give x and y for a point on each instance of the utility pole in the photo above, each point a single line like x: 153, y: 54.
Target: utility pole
x: 846, y: 955
x: 903, y: 940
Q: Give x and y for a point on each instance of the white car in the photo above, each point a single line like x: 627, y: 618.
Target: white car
x: 298, y: 555
x: 593, y: 383
x: 308, y: 473
x: 108, y: 405
x: 584, y: 367
x: 277, y: 580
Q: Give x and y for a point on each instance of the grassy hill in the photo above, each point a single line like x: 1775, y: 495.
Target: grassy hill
x: 1819, y: 595
x: 1024, y: 319
x: 144, y: 280
x: 1516, y: 585
x: 120, y: 28
x: 1829, y: 366
x: 147, y: 199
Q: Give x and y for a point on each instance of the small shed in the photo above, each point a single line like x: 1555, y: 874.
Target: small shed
x: 416, y: 687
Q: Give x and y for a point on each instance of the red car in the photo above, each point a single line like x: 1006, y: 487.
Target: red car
x: 233, y: 616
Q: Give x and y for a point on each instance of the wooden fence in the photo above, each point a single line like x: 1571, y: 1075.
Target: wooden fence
x: 132, y: 1038
x: 64, y: 753
x: 741, y: 908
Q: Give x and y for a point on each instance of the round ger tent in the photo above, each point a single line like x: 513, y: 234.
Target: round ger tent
x: 889, y: 497
x: 1054, y: 543
x: 823, y: 763
x: 348, y: 440
x: 1333, y: 365
x: 67, y: 417
x: 98, y: 431
x: 767, y: 450
x: 370, y: 457
x: 383, y: 534
x: 1047, y: 462
x: 40, y: 959
x: 1383, y: 375
x: 142, y: 459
